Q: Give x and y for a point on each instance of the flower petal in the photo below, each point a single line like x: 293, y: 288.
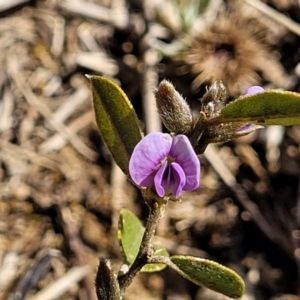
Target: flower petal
x: 147, y: 155
x: 158, y: 180
x: 169, y: 179
x: 177, y: 179
x: 184, y: 154
x: 254, y: 90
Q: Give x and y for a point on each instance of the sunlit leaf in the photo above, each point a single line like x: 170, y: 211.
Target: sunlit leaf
x: 116, y: 119
x: 272, y: 107
x: 130, y: 235
x: 160, y: 251
x: 210, y: 274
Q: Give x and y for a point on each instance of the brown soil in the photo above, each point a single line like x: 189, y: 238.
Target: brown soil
x: 60, y: 193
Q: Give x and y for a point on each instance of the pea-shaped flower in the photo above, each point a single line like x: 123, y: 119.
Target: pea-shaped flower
x: 169, y: 164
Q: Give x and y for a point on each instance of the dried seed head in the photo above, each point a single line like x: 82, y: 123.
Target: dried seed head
x: 233, y: 49
x: 174, y: 111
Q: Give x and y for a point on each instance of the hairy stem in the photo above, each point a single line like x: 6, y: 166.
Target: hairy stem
x: 146, y: 249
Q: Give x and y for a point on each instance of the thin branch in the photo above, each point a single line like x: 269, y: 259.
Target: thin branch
x: 56, y: 289
x: 150, y: 80
x: 166, y: 260
x: 275, y: 15
x: 45, y: 111
x: 5, y: 5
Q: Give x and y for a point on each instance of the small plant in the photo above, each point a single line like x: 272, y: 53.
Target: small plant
x: 162, y: 165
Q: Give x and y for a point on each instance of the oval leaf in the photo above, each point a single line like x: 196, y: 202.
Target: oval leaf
x: 210, y: 274
x: 271, y: 107
x: 130, y: 234
x: 116, y: 119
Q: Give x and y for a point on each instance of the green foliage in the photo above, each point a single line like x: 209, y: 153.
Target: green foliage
x: 272, y: 107
x: 116, y: 119
x: 118, y: 125
x: 210, y: 274
x: 159, y: 252
x: 190, y: 11
x: 130, y: 235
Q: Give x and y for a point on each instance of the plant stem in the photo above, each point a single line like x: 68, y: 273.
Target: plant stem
x: 156, y: 211
x: 166, y: 260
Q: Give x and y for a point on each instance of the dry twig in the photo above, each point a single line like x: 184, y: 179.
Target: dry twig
x: 46, y: 112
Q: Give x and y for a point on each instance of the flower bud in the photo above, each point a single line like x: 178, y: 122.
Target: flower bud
x: 174, y: 111
x: 254, y: 90
x: 214, y: 96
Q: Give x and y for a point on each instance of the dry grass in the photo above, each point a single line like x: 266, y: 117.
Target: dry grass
x: 59, y: 192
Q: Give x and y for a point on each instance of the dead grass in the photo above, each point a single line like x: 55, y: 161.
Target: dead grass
x: 59, y: 192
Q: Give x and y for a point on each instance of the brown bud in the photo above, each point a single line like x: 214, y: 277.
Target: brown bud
x: 173, y: 109
x: 215, y: 95
x: 107, y: 286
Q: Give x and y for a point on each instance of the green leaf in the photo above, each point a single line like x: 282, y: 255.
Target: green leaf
x: 210, y: 274
x: 156, y: 267
x: 130, y: 234
x: 107, y: 286
x: 272, y: 107
x: 116, y: 119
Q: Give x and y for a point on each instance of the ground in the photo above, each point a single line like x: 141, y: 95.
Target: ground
x: 60, y: 192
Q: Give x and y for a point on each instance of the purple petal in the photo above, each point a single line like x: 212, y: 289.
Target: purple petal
x: 177, y: 180
x: 169, y: 179
x: 254, y: 90
x: 158, y: 180
x: 247, y: 128
x: 147, y: 155
x: 184, y: 154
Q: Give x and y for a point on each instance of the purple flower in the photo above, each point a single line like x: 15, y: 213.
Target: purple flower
x: 169, y: 164
x: 254, y: 90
